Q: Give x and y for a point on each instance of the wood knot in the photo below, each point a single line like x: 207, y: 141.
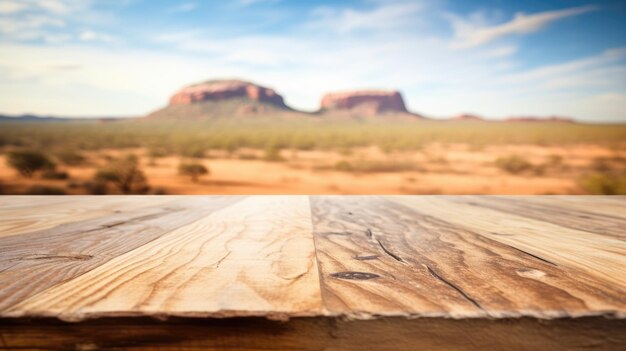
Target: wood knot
x: 337, y: 233
x: 74, y: 257
x: 355, y: 275
x: 366, y: 258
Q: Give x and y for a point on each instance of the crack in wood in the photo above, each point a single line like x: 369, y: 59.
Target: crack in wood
x: 355, y: 275
x: 136, y: 219
x: 455, y: 287
x: 501, y: 234
x: 534, y: 256
x: 393, y: 255
x: 217, y: 264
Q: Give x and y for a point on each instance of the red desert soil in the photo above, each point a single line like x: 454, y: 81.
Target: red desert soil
x: 437, y: 169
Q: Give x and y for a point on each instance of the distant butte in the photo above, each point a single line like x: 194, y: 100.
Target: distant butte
x: 225, y: 99
x: 370, y: 102
x: 215, y: 90
x: 229, y: 98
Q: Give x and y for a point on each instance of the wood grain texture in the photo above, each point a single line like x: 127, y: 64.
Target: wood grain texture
x: 255, y: 257
x: 552, y: 212
x: 33, y: 262
x: 599, y: 255
x: 378, y: 256
x: 347, y: 272
x: 38, y: 213
x: 602, y: 205
x: 366, y: 268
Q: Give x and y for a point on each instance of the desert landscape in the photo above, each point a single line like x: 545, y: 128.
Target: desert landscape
x: 312, y: 175
x: 236, y: 137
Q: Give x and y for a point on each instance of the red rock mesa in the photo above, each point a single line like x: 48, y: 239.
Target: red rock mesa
x: 370, y: 101
x: 215, y: 90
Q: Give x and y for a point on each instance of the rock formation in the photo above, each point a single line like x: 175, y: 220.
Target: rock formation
x: 224, y: 99
x: 371, y: 102
x: 216, y: 90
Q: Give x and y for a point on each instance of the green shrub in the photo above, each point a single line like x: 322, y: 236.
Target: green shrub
x: 601, y: 165
x: 125, y: 174
x: 247, y: 156
x: 192, y: 151
x: 54, y: 174
x: 605, y: 184
x: 156, y: 152
x: 226, y: 134
x: 513, y: 164
x: 343, y: 166
x: 272, y: 154
x: 193, y: 170
x: 376, y: 166
x: 27, y: 162
x: 159, y: 191
x: 71, y: 157
x: 74, y: 185
x: 96, y: 187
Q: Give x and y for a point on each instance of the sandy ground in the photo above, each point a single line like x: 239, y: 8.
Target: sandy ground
x: 439, y: 169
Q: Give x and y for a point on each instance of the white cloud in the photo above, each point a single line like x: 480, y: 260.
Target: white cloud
x: 472, y: 33
x: 52, y: 21
x: 54, y: 6
x: 184, y: 7
x: 503, y: 51
x: 384, y: 16
x: 30, y: 22
x: 548, y: 75
x: 254, y: 2
x: 10, y: 7
x: 89, y: 35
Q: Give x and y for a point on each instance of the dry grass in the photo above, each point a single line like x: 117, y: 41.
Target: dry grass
x: 255, y: 157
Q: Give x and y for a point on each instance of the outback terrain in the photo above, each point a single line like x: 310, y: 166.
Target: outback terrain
x: 235, y: 137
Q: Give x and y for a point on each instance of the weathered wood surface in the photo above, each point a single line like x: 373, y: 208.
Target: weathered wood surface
x: 521, y: 260
x: 435, y: 256
x: 254, y: 257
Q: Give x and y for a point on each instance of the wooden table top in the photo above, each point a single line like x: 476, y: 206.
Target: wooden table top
x: 280, y: 257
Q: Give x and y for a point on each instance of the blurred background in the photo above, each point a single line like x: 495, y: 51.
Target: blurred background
x: 312, y: 97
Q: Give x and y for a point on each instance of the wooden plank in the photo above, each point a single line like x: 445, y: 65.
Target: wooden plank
x: 255, y: 257
x: 31, y: 201
x: 33, y: 262
x: 601, y: 256
x: 339, y: 272
x: 378, y: 257
x: 39, y: 212
x: 360, y: 272
x: 548, y: 211
x: 601, y: 205
x: 313, y: 334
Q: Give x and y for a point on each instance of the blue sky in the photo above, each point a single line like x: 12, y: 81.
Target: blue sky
x: 496, y: 58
